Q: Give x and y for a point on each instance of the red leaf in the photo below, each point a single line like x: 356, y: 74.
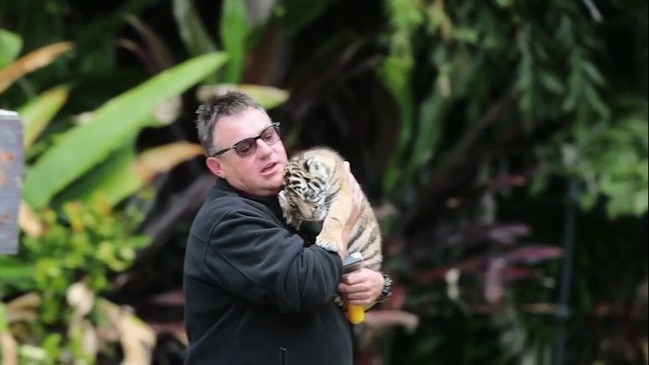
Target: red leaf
x: 532, y: 254
x: 493, y: 289
x: 507, y: 181
x: 516, y: 273
x: 511, y: 273
x: 172, y: 298
x: 471, y: 265
x: 397, y: 298
x: 508, y: 233
x: 389, y: 318
x: 488, y: 309
x: 392, y: 246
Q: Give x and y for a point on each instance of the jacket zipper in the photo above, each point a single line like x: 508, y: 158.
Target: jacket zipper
x: 283, y: 356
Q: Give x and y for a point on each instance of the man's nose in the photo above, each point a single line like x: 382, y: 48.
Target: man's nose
x: 263, y: 147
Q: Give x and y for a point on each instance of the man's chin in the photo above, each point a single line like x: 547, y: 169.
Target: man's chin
x: 273, y: 188
x: 276, y: 180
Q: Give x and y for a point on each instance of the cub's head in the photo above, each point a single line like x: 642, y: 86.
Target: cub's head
x: 306, y: 188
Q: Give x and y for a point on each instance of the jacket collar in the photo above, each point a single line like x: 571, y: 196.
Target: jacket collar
x: 222, y: 187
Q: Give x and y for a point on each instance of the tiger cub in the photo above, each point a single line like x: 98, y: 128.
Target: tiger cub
x: 317, y: 188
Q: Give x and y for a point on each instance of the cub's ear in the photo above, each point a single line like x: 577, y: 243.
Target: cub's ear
x: 313, y: 166
x: 281, y: 197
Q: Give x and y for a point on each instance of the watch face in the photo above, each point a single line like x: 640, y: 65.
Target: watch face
x: 387, y: 282
x: 387, y: 288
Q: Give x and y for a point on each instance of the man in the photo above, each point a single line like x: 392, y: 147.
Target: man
x: 255, y: 291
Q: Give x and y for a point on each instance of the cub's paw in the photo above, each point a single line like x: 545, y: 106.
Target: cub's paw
x: 327, y: 244
x: 338, y: 300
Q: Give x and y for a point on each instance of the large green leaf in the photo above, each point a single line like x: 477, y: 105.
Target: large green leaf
x: 196, y: 38
x: 143, y: 169
x: 83, y: 147
x: 234, y: 31
x: 10, y: 45
x: 106, y: 176
x: 38, y: 112
x: 124, y: 173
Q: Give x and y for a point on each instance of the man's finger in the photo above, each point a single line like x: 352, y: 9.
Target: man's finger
x: 358, y: 296
x: 352, y: 278
x: 356, y: 290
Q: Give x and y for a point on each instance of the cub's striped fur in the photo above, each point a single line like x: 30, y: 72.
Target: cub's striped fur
x: 316, y: 188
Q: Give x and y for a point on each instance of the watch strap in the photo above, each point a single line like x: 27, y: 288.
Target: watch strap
x: 387, y: 288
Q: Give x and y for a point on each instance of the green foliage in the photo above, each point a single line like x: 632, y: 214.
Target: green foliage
x: 192, y: 31
x: 298, y: 13
x: 618, y: 159
x: 82, y: 242
x: 87, y: 244
x: 14, y: 273
x: 114, y: 178
x: 553, y: 67
x: 4, y: 325
x: 10, y: 45
x: 38, y: 112
x: 542, y: 86
x: 472, y: 82
x: 234, y: 32
x: 604, y: 143
x: 240, y: 27
x: 612, y: 161
x: 109, y: 125
x: 395, y: 72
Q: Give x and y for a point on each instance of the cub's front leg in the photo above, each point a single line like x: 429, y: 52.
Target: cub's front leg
x: 330, y: 236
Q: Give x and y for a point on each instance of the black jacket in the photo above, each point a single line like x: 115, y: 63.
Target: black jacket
x: 255, y: 293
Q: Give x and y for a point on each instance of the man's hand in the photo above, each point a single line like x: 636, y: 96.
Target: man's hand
x: 361, y: 287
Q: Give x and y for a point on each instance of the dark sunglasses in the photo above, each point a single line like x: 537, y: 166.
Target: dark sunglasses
x: 248, y: 146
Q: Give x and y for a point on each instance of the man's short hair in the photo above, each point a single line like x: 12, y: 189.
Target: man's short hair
x: 209, y: 112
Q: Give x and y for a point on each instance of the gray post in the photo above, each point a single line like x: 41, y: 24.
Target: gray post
x: 11, y: 178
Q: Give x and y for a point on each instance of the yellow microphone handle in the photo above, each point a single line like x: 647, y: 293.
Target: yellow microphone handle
x: 356, y: 313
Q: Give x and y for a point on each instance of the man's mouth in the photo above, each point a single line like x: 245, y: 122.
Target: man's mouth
x: 269, y: 167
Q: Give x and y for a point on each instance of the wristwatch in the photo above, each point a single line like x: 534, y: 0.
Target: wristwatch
x: 387, y: 288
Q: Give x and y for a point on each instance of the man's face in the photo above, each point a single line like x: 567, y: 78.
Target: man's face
x: 261, y: 172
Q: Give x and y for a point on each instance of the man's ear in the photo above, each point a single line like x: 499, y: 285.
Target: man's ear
x: 214, y: 165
